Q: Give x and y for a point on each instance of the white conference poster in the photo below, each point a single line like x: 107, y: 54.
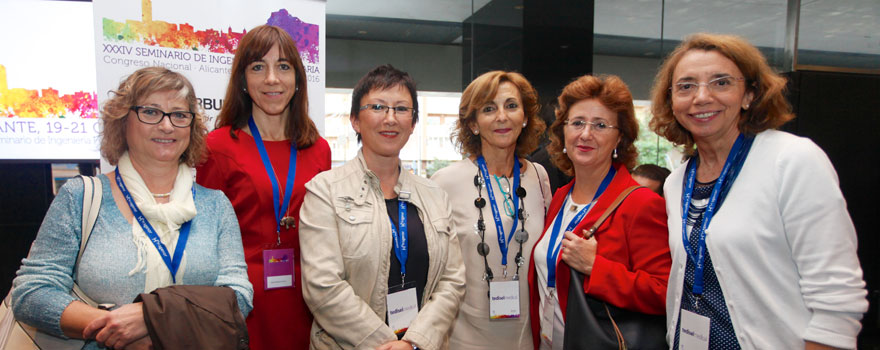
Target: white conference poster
x: 199, y: 38
x: 48, y: 105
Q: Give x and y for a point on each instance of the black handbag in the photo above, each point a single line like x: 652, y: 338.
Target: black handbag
x: 593, y: 324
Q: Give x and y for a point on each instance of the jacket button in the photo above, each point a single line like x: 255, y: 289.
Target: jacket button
x: 351, y: 218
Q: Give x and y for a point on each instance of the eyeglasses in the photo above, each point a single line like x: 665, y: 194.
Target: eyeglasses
x: 578, y: 125
x: 717, y: 85
x: 150, y: 115
x: 399, y: 111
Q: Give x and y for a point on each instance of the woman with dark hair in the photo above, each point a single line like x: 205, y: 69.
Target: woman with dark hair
x: 498, y: 197
x: 626, y: 262
x: 150, y: 209
x: 764, y: 251
x: 381, y: 263
x: 264, y: 150
x: 651, y: 176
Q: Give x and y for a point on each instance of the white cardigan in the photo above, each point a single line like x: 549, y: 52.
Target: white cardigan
x: 783, y: 247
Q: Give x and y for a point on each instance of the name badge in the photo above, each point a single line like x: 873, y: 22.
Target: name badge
x: 694, y: 331
x: 547, y: 315
x: 277, y: 268
x: 403, y: 307
x: 503, y: 300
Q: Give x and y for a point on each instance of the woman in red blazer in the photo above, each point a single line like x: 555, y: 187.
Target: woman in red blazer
x: 626, y: 263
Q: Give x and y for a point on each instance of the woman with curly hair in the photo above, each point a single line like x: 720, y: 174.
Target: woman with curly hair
x: 625, y: 262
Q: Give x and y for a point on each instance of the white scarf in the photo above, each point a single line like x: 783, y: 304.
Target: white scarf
x: 166, y: 219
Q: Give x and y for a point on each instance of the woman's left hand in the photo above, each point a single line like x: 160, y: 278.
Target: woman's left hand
x: 579, y: 253
x: 396, y: 345
x: 119, y: 327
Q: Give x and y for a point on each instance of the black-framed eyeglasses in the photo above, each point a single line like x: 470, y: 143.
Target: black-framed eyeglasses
x: 152, y: 115
x: 399, y: 111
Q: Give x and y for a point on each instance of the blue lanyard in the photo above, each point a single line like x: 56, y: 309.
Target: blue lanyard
x: 400, y: 236
x: 291, y: 176
x: 732, y: 166
x: 172, y: 263
x: 499, y: 227
x: 553, y: 249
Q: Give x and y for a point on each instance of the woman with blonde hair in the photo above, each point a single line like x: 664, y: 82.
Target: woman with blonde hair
x: 155, y: 227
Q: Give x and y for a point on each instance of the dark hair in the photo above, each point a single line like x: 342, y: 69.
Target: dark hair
x: 769, y: 108
x: 140, y: 84
x: 651, y: 171
x: 237, y: 105
x: 481, y: 91
x: 612, y: 93
x: 381, y: 78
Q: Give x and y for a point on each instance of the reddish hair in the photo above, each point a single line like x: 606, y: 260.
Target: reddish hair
x: 612, y: 93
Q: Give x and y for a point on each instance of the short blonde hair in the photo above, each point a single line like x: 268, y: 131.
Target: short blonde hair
x: 768, y: 110
x: 140, y: 84
x: 481, y: 91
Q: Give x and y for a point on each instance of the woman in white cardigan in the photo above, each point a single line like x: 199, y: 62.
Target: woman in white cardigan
x: 768, y: 255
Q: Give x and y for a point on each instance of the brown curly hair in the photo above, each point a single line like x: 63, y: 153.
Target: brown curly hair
x: 769, y: 108
x: 480, y: 92
x: 137, y: 86
x: 237, y: 104
x: 612, y: 93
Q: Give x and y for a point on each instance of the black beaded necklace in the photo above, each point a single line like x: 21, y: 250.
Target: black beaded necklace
x: 520, y: 236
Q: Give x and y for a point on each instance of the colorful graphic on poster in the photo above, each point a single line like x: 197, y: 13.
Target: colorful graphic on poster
x: 184, y: 36
x: 45, y: 103
x: 48, y: 104
x: 198, y: 39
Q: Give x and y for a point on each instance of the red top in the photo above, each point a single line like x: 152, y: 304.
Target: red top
x: 280, y: 318
x: 632, y: 260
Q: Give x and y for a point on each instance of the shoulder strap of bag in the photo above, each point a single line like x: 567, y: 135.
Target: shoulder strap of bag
x: 621, y: 342
x: 92, y: 193
x: 611, y: 209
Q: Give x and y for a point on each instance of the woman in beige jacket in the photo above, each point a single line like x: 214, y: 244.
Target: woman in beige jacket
x: 381, y: 264
x: 498, y: 125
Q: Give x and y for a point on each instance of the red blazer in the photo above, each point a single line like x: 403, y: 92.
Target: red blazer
x: 632, y: 262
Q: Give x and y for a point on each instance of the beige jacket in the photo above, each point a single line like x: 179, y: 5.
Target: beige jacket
x: 345, y: 243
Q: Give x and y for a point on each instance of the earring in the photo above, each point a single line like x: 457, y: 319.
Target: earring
x: 614, y: 155
x: 524, y: 124
x: 244, y: 89
x: 476, y: 131
x: 746, y: 107
x: 564, y: 150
